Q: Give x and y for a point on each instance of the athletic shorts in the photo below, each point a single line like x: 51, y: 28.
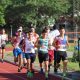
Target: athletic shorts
x: 31, y: 56
x: 3, y: 46
x: 51, y: 55
x: 43, y: 57
x: 17, y: 52
x: 60, y: 55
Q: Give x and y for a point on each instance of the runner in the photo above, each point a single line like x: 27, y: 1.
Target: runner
x: 4, y: 38
x: 50, y: 49
x: 43, y: 52
x: 61, y: 43
x: 17, y: 52
x: 22, y: 46
x: 30, y: 53
x: 35, y: 35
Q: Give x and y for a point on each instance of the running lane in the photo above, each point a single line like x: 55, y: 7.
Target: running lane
x: 8, y: 71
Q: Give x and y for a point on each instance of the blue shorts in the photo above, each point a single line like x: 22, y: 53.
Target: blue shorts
x: 17, y: 52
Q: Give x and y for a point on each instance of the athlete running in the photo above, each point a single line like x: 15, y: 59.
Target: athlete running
x: 61, y: 44
x: 43, y: 52
x: 17, y: 52
x: 3, y: 38
x: 30, y: 53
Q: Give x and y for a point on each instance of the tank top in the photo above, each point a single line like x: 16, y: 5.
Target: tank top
x: 43, y: 45
x: 3, y: 38
x: 62, y: 43
x: 17, y: 42
x: 29, y: 46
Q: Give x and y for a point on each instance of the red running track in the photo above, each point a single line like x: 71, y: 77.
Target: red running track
x: 8, y: 71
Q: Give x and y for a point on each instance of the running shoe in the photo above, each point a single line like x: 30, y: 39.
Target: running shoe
x: 19, y: 69
x: 55, y: 70
x: 41, y: 71
x: 2, y: 60
x: 46, y: 75
x: 64, y: 74
x: 29, y: 74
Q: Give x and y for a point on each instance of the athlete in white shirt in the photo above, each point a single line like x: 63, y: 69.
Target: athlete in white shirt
x: 3, y: 38
x: 30, y: 53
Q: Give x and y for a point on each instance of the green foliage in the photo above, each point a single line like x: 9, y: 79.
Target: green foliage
x: 3, y: 5
x: 31, y: 11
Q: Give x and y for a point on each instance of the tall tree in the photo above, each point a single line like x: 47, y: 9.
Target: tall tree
x: 33, y: 11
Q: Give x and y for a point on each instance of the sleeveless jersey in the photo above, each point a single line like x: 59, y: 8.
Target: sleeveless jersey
x: 43, y: 45
x: 62, y: 43
x: 29, y: 46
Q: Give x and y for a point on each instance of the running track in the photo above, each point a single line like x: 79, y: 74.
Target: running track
x: 8, y: 71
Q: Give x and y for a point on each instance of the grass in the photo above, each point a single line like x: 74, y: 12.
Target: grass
x: 73, y: 66
x: 8, y: 45
x: 71, y: 48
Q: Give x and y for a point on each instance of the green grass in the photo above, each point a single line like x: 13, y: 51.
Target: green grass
x: 10, y: 54
x: 71, y: 48
x: 8, y: 45
x: 73, y: 66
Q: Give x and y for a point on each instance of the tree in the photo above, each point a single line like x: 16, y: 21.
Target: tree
x: 32, y: 11
x: 3, y: 5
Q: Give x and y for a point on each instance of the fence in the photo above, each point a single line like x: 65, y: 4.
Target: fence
x: 73, y: 37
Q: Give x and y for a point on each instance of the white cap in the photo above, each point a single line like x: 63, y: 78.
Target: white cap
x: 19, y: 30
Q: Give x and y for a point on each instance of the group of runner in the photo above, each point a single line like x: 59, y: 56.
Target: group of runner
x: 49, y: 46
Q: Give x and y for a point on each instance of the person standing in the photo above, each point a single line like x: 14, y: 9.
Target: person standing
x: 4, y: 38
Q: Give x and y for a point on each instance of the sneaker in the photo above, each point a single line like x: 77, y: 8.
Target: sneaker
x: 46, y: 75
x: 41, y: 71
x: 19, y: 69
x: 64, y: 74
x: 24, y: 64
x: 29, y: 74
x: 2, y: 60
x: 55, y: 70
x: 46, y: 79
x: 49, y: 67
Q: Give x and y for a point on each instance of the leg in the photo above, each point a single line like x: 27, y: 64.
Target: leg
x: 51, y: 56
x: 65, y: 61
x: 20, y: 62
x: 46, y: 62
x: 2, y: 51
x: 65, y: 65
x: 40, y: 57
x: 33, y: 57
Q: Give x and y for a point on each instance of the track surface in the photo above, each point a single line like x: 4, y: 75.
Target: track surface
x: 8, y: 71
